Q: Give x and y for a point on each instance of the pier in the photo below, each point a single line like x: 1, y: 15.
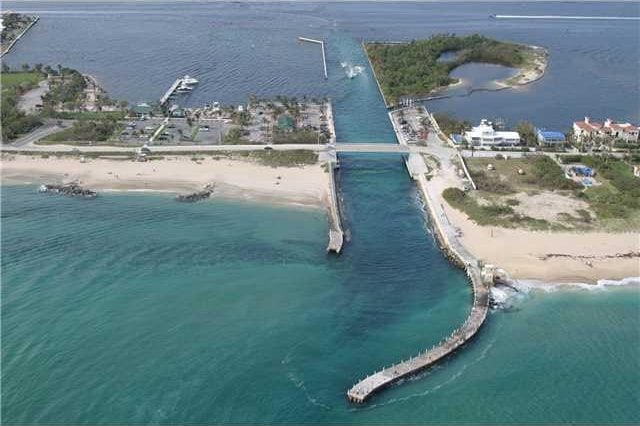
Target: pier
x: 168, y: 93
x: 447, y: 238
x: 324, y: 57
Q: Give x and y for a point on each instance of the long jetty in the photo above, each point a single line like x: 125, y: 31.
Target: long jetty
x: 15, y: 40
x: 324, y: 57
x: 336, y: 234
x: 457, y: 254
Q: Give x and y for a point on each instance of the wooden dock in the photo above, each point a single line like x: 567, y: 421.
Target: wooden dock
x: 324, y: 57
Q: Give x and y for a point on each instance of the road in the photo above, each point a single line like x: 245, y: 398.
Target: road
x: 27, y: 141
x: 26, y: 144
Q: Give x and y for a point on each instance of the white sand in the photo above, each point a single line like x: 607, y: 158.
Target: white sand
x: 521, y: 253
x: 524, y: 254
x: 240, y: 178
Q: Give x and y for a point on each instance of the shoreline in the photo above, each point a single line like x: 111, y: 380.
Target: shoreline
x: 234, y: 179
x: 551, y: 257
x: 524, y: 77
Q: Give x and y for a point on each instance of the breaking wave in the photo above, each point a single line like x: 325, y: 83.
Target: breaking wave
x: 509, y: 296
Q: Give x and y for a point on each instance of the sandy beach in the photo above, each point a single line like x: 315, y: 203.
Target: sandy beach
x: 555, y: 257
x: 233, y: 178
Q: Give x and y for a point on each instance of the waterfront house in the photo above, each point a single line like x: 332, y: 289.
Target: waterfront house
x: 587, y: 130
x: 486, y: 135
x: 625, y: 131
x: 550, y: 138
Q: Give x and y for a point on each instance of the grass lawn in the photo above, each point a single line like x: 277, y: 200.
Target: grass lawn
x: 12, y: 80
x: 88, y: 115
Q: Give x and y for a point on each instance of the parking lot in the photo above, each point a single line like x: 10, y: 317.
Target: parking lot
x: 175, y: 131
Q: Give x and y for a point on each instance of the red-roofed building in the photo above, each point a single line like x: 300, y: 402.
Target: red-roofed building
x: 588, y: 129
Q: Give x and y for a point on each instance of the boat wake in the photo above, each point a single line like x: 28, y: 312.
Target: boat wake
x: 293, y: 377
x: 351, y: 70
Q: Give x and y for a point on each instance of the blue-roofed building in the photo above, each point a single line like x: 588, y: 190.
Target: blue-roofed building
x: 547, y: 137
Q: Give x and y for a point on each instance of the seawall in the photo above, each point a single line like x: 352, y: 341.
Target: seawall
x: 15, y: 40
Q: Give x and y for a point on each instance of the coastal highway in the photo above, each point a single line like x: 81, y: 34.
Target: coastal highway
x: 25, y: 145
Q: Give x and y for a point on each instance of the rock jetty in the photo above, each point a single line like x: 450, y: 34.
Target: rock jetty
x: 196, y: 196
x: 68, y: 189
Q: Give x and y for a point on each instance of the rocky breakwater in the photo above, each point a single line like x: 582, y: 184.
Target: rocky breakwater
x: 196, y: 196
x: 68, y: 189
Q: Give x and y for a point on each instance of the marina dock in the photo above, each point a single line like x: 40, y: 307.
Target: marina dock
x: 168, y: 93
x: 324, y: 57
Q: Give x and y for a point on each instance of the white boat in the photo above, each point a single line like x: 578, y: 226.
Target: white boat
x: 184, y: 88
x: 190, y: 81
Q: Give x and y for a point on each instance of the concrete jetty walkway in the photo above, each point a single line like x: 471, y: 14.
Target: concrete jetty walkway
x: 450, y: 245
x: 336, y: 234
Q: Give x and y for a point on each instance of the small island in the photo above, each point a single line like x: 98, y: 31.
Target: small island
x: 416, y: 68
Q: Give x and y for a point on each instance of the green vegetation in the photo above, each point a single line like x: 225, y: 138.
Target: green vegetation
x: 537, y: 173
x: 413, y: 68
x: 22, y: 81
x: 299, y: 136
x: 87, y: 115
x: 14, y: 24
x: 527, y: 133
x: 617, y: 199
x: 66, y: 90
x: 87, y: 131
x: 449, y: 124
x: 235, y: 136
x: 274, y: 158
x: 15, y: 122
x: 492, y: 183
x: 549, y: 175
x: 491, y: 214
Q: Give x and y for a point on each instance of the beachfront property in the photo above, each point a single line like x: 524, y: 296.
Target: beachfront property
x: 486, y: 135
x: 587, y: 130
x: 550, y: 138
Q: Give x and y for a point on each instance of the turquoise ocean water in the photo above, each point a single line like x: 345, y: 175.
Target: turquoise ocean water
x: 133, y: 308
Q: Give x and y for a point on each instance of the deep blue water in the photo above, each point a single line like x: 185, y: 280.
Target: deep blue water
x: 237, y: 49
x: 137, y: 309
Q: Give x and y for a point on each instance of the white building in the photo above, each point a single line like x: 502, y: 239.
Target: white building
x: 485, y: 135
